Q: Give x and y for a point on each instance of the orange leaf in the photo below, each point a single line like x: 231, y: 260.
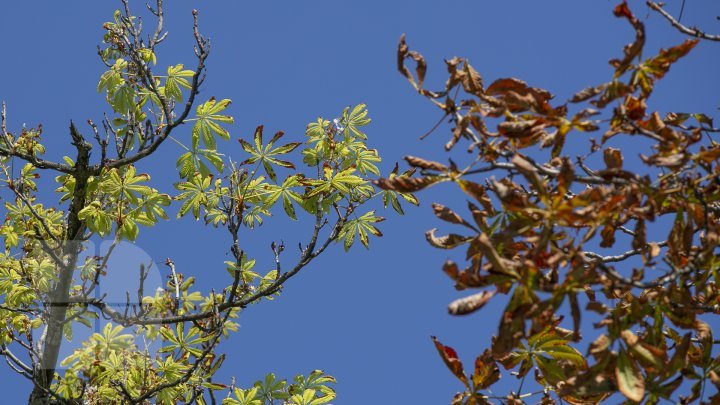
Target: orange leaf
x: 450, y: 357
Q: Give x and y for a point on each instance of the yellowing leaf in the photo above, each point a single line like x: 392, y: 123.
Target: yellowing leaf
x: 629, y: 379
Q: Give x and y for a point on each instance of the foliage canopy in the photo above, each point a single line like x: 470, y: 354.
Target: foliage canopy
x: 630, y: 237
x: 48, y: 280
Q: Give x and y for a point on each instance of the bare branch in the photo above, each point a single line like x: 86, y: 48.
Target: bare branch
x: 682, y: 28
x: 658, y: 282
x: 620, y: 257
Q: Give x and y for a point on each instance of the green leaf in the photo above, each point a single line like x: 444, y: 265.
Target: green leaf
x: 272, y: 388
x: 361, y: 226
x: 266, y: 154
x: 244, y: 397
x: 126, y: 185
x: 194, y: 195
x: 286, y: 193
x: 343, y: 181
x: 175, y: 80
x: 96, y: 219
x: 191, y: 162
x: 207, y: 125
x: 355, y: 119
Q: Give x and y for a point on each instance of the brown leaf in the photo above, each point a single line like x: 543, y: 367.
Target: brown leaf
x: 451, y: 269
x: 651, y: 357
x: 613, y: 158
x: 446, y: 214
x: 510, y: 331
x: 420, y: 67
x: 518, y: 96
x: 715, y: 379
x: 614, y: 90
x: 486, y: 370
x: 480, y: 217
x: 673, y: 160
x: 705, y: 335
x: 708, y: 155
x: 608, y: 236
x: 470, y: 304
x: 600, y: 345
x: 660, y: 64
x: 499, y: 264
x: 654, y: 249
x: 471, y: 80
x: 530, y: 172
x: 458, y: 132
x: 522, y: 129
x: 587, y: 93
x: 634, y: 107
x: 405, y: 184
x: 426, y: 164
x: 632, y: 50
x: 566, y: 177
x: 467, y: 76
x: 640, y: 239
x: 679, y: 358
x: 464, y: 279
x: 450, y: 357
x: 477, y: 192
x: 445, y: 242
x: 575, y: 312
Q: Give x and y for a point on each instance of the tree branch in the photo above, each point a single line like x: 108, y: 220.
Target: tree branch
x: 682, y: 28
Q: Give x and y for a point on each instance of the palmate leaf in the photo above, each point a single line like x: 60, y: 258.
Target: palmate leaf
x: 547, y: 350
x: 355, y: 153
x: 255, y: 216
x: 176, y: 79
x: 129, y: 228
x: 192, y: 162
x: 309, y: 397
x: 246, y: 269
x: 266, y: 153
x: 207, y: 125
x: 271, y: 388
x: 343, y: 181
x: 126, y: 185
x: 320, y: 139
x: 123, y: 99
x: 285, y: 193
x: 361, y: 226
x: 112, y: 79
x: 96, y: 219
x: 353, y: 120
x: 151, y: 207
x: 316, y: 130
x: 244, y: 397
x: 194, y: 195
x: 313, y: 389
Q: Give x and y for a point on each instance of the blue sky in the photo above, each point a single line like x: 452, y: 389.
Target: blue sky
x: 365, y: 316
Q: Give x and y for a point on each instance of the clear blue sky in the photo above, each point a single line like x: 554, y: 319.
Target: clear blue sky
x: 364, y: 317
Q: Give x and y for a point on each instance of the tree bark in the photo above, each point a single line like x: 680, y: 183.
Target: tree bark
x: 51, y: 341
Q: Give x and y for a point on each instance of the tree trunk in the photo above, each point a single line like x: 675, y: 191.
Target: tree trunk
x: 49, y: 347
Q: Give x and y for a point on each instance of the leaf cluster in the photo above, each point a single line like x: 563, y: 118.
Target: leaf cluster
x: 544, y: 231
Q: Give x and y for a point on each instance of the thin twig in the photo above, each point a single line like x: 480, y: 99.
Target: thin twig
x: 682, y: 28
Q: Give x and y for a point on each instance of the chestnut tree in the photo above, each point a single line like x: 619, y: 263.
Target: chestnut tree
x: 48, y: 283
x: 619, y: 246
